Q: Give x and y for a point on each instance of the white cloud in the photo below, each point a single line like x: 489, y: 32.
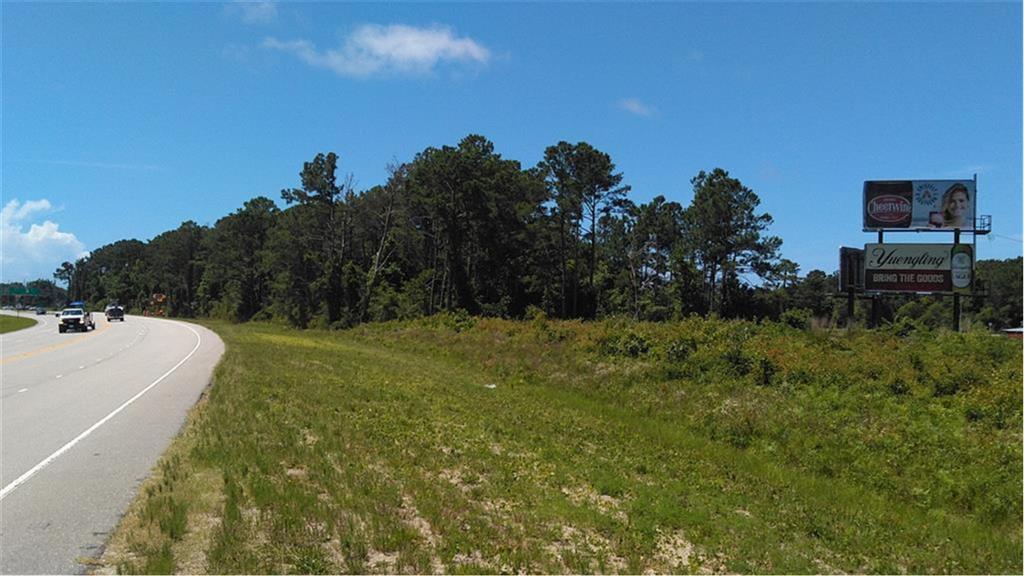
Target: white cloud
x: 635, y: 106
x: 38, y: 251
x: 373, y: 49
x: 253, y: 12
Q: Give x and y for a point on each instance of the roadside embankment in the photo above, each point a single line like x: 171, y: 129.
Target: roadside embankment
x: 475, y: 445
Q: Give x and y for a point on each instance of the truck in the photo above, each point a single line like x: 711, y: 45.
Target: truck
x: 75, y: 317
x: 114, y: 312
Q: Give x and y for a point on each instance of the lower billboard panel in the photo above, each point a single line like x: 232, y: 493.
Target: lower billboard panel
x: 918, y: 267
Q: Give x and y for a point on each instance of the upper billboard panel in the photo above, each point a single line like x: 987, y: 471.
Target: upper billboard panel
x: 919, y: 204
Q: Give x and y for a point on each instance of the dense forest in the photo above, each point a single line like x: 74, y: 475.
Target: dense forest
x: 460, y: 228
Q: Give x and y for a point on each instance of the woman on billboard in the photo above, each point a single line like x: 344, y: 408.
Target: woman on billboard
x: 956, y: 209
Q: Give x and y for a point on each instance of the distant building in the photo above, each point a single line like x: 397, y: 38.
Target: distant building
x: 1015, y: 333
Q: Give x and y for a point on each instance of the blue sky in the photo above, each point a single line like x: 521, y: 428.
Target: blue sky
x: 123, y: 120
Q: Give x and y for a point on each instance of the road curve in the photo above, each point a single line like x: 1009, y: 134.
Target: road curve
x: 85, y: 417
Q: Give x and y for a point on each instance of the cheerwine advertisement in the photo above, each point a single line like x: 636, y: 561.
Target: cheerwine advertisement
x: 917, y: 267
x: 919, y: 204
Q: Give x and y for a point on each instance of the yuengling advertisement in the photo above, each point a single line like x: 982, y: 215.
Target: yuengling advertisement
x: 917, y: 267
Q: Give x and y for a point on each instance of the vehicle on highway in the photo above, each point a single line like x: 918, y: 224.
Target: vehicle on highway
x: 40, y: 310
x: 115, y: 313
x: 75, y: 319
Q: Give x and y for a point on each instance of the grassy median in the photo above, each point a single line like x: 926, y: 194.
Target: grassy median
x: 464, y: 445
x: 12, y: 323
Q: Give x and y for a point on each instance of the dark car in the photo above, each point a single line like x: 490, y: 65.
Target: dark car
x: 40, y: 310
x: 115, y: 313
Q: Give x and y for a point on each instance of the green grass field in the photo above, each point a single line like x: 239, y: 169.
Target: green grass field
x: 12, y: 323
x: 466, y: 445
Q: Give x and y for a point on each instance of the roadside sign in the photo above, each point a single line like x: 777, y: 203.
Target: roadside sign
x: 919, y: 205
x: 918, y: 268
x: 16, y: 290
x: 851, y: 269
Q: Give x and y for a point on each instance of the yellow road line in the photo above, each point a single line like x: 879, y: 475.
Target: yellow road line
x: 10, y: 359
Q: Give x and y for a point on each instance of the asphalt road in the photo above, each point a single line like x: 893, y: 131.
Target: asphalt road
x: 85, y: 417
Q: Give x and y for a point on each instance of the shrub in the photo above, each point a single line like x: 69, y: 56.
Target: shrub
x: 737, y: 360
x: 796, y: 318
x: 763, y: 371
x: 457, y: 321
x: 631, y: 344
x: 679, y: 349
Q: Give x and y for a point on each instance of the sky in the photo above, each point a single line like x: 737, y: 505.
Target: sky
x: 122, y: 120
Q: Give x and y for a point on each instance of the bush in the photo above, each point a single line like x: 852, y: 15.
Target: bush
x: 457, y: 321
x: 679, y: 349
x: 796, y: 318
x: 904, y: 326
x: 630, y: 344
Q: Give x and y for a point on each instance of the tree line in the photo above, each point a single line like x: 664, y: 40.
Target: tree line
x: 460, y: 228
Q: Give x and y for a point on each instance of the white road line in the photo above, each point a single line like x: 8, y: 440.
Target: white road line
x: 49, y: 459
x: 81, y: 367
x: 60, y: 375
x: 22, y: 390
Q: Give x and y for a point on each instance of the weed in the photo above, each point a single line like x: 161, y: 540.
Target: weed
x: 608, y: 446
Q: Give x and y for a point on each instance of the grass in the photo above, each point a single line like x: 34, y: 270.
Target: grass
x: 469, y: 445
x: 12, y: 323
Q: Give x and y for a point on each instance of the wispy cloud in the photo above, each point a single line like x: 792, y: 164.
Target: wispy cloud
x: 635, y: 106
x: 236, y: 53
x: 37, y: 251
x: 373, y: 49
x: 84, y: 164
x: 253, y: 12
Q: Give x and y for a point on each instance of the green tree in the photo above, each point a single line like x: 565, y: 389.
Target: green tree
x: 1000, y: 305
x: 725, y: 233
x: 324, y: 238
x: 235, y: 280
x: 583, y: 186
x: 639, y: 242
x: 48, y: 294
x: 174, y: 267
x: 471, y: 210
x: 813, y: 293
x: 293, y: 267
x: 65, y: 273
x: 112, y: 272
x: 378, y: 211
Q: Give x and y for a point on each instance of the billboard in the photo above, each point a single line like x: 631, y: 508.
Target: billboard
x: 918, y: 267
x: 851, y: 269
x: 919, y: 204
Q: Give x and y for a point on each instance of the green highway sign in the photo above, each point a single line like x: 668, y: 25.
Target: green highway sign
x: 20, y: 291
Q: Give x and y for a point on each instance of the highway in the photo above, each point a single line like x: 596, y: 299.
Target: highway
x: 85, y: 417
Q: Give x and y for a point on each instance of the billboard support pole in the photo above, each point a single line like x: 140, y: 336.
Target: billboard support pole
x: 849, y: 306
x: 956, y: 312
x: 876, y: 309
x: 956, y: 295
